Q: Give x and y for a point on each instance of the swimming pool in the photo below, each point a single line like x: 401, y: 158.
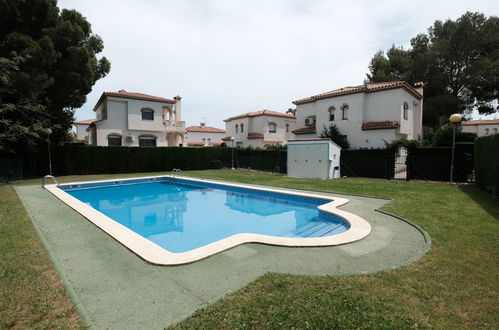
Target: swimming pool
x: 173, y: 221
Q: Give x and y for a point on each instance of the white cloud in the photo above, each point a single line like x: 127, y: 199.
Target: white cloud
x: 227, y: 57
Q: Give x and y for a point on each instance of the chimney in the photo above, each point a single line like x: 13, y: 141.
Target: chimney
x: 202, y: 124
x: 419, y: 87
x: 178, y: 108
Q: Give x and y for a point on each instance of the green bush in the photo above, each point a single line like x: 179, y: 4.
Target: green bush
x: 487, y: 163
x: 443, y: 136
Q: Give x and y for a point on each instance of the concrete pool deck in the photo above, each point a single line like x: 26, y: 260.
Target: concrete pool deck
x: 113, y: 288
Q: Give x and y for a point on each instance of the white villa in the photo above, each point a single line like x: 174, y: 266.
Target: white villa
x: 481, y: 127
x: 134, y: 119
x: 367, y: 114
x: 81, y: 129
x: 204, y: 136
x: 260, y: 129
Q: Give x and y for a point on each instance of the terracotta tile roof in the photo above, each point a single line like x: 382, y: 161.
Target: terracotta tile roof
x: 227, y: 138
x: 84, y: 122
x: 204, y: 129
x: 262, y: 113
x: 216, y: 144
x: 195, y: 144
x: 379, y: 125
x: 252, y: 136
x: 481, y: 122
x: 366, y: 88
x: 305, y: 130
x: 136, y: 96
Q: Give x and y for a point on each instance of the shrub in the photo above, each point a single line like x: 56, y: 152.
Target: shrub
x: 487, y: 163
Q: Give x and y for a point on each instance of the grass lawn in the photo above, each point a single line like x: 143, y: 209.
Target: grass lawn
x: 454, y: 286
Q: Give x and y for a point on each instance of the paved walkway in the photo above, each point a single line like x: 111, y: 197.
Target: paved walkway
x: 114, y: 289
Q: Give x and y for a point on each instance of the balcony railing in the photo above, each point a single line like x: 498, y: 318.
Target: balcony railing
x: 174, y: 126
x: 174, y: 123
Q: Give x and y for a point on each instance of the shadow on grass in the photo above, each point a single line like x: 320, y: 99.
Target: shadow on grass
x: 484, y: 199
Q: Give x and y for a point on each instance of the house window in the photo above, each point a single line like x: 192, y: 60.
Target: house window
x: 331, y: 113
x: 147, y: 114
x: 287, y: 128
x: 406, y: 111
x: 114, y: 140
x: 209, y: 142
x: 495, y: 130
x: 486, y: 131
x: 147, y: 141
x: 239, y: 144
x: 237, y: 128
x: 242, y: 128
x: 204, y: 141
x: 272, y: 127
x: 344, y: 111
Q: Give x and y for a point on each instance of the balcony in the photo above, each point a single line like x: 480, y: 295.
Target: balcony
x: 174, y: 126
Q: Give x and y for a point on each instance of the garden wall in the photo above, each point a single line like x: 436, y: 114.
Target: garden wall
x: 487, y: 163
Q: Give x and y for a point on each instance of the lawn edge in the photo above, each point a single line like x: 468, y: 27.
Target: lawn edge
x: 67, y: 285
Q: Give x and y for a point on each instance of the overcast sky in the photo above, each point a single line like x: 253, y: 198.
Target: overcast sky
x: 226, y: 57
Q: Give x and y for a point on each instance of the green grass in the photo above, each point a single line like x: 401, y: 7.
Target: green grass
x: 454, y: 286
x: 31, y: 293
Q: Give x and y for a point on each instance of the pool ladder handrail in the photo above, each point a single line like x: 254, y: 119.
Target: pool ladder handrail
x: 49, y: 177
x: 175, y: 171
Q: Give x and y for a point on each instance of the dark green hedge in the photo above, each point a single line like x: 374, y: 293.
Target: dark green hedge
x: 369, y: 163
x: 487, y: 163
x: 434, y: 163
x: 266, y: 160
x: 69, y: 160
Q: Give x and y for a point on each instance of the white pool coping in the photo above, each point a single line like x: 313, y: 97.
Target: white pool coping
x: 155, y: 254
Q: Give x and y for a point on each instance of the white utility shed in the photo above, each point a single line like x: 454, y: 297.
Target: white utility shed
x: 313, y: 158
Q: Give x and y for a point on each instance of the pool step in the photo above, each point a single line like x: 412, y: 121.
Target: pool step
x: 309, y: 230
x: 325, y: 231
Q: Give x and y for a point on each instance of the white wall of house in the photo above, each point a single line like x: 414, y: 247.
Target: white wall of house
x: 260, y: 125
x: 208, y: 138
x: 481, y: 129
x: 384, y: 105
x: 81, y: 133
x: 124, y: 118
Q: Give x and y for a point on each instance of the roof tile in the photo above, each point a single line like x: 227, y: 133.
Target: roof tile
x: 366, y: 88
x: 204, y: 129
x: 305, y: 130
x: 262, y: 113
x: 372, y: 125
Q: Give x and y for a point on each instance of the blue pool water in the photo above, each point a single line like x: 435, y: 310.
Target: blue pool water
x: 188, y: 214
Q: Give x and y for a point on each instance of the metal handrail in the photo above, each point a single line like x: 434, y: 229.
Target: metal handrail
x: 49, y: 177
x: 172, y: 177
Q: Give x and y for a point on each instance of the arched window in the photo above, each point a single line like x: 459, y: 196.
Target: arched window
x: 237, y: 128
x: 242, y: 128
x: 344, y: 111
x: 331, y: 113
x: 272, y: 127
x: 287, y: 128
x: 495, y: 130
x: 204, y: 141
x: 486, y: 131
x: 147, y: 114
x: 209, y: 141
x: 406, y: 111
x: 114, y: 140
x: 147, y: 141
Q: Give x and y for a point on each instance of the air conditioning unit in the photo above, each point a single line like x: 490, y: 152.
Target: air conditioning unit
x: 310, y: 121
x: 129, y: 138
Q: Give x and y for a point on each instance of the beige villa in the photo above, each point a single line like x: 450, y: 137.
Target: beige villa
x: 135, y: 119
